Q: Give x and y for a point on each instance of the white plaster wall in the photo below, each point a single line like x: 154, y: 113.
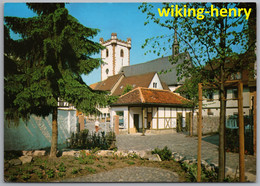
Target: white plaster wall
x: 108, y: 62
x: 120, y: 61
x: 156, y: 80
x: 161, y: 119
x: 135, y: 110
x: 214, y: 105
x: 36, y: 133
x: 113, y: 111
x: 154, y: 121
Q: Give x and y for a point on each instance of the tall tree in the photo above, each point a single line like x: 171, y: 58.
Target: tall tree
x: 210, y: 41
x: 52, y: 54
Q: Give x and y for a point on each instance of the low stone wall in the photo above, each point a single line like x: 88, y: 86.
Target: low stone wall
x: 161, y: 131
x: 210, y: 124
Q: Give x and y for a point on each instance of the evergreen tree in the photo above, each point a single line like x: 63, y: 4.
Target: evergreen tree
x: 47, y: 64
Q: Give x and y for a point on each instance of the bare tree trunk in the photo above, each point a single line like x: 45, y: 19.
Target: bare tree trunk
x: 54, y: 139
x: 221, y: 161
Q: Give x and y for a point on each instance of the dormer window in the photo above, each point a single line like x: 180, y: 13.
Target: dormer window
x: 154, y: 85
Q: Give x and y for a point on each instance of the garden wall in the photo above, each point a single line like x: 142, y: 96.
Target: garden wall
x: 210, y: 124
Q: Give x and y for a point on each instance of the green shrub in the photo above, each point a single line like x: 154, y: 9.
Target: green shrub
x: 130, y: 162
x: 85, y: 140
x: 61, y: 174
x: 26, y: 176
x: 62, y: 168
x: 90, y: 170
x: 111, y: 163
x: 39, y: 174
x: 12, y: 178
x: 50, y: 173
x: 165, y: 153
x: 75, y: 171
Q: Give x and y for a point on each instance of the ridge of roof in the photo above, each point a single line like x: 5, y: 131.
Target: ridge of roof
x: 141, y: 95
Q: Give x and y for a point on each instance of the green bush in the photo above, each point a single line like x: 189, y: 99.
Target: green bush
x: 165, y: 153
x: 85, y: 140
x: 50, y: 173
x: 26, y: 176
x: 75, y: 171
x: 62, y: 168
x: 90, y: 170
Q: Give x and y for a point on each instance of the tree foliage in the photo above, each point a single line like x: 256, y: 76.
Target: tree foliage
x: 127, y: 88
x: 46, y: 64
x: 48, y: 61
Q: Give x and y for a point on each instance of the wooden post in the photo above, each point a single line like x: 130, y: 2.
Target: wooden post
x: 241, y: 134
x: 199, y: 134
x: 143, y: 120
x: 191, y: 123
x: 128, y: 120
x: 157, y: 118
x: 116, y: 120
x: 254, y: 118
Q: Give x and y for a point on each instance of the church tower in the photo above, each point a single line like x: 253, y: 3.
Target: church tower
x: 175, y: 46
x: 115, y: 55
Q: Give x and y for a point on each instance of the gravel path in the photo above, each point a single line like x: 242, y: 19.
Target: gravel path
x: 130, y: 174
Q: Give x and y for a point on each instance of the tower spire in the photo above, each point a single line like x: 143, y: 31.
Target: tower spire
x: 175, y: 46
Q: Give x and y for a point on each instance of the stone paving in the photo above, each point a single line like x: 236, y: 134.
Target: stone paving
x: 185, y: 146
x: 130, y: 174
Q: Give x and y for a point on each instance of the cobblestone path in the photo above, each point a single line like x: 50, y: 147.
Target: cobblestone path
x: 185, y: 146
x: 130, y: 174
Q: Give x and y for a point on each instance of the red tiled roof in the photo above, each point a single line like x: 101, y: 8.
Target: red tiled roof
x: 93, y: 86
x: 142, y: 80
x: 149, y: 96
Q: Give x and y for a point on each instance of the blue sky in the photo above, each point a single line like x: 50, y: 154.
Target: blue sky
x: 123, y: 18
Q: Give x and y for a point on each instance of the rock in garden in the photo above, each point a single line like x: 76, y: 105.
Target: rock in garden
x: 39, y: 153
x: 121, y: 153
x: 25, y: 159
x: 154, y: 157
x: 144, y: 154
x: 27, y: 153
x: 102, y: 153
x: 15, y: 162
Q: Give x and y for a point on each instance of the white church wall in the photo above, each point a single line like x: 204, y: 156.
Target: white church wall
x: 108, y: 62
x: 120, y: 61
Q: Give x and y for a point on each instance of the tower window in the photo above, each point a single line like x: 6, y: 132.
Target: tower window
x: 107, y: 53
x: 107, y: 70
x: 122, y: 53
